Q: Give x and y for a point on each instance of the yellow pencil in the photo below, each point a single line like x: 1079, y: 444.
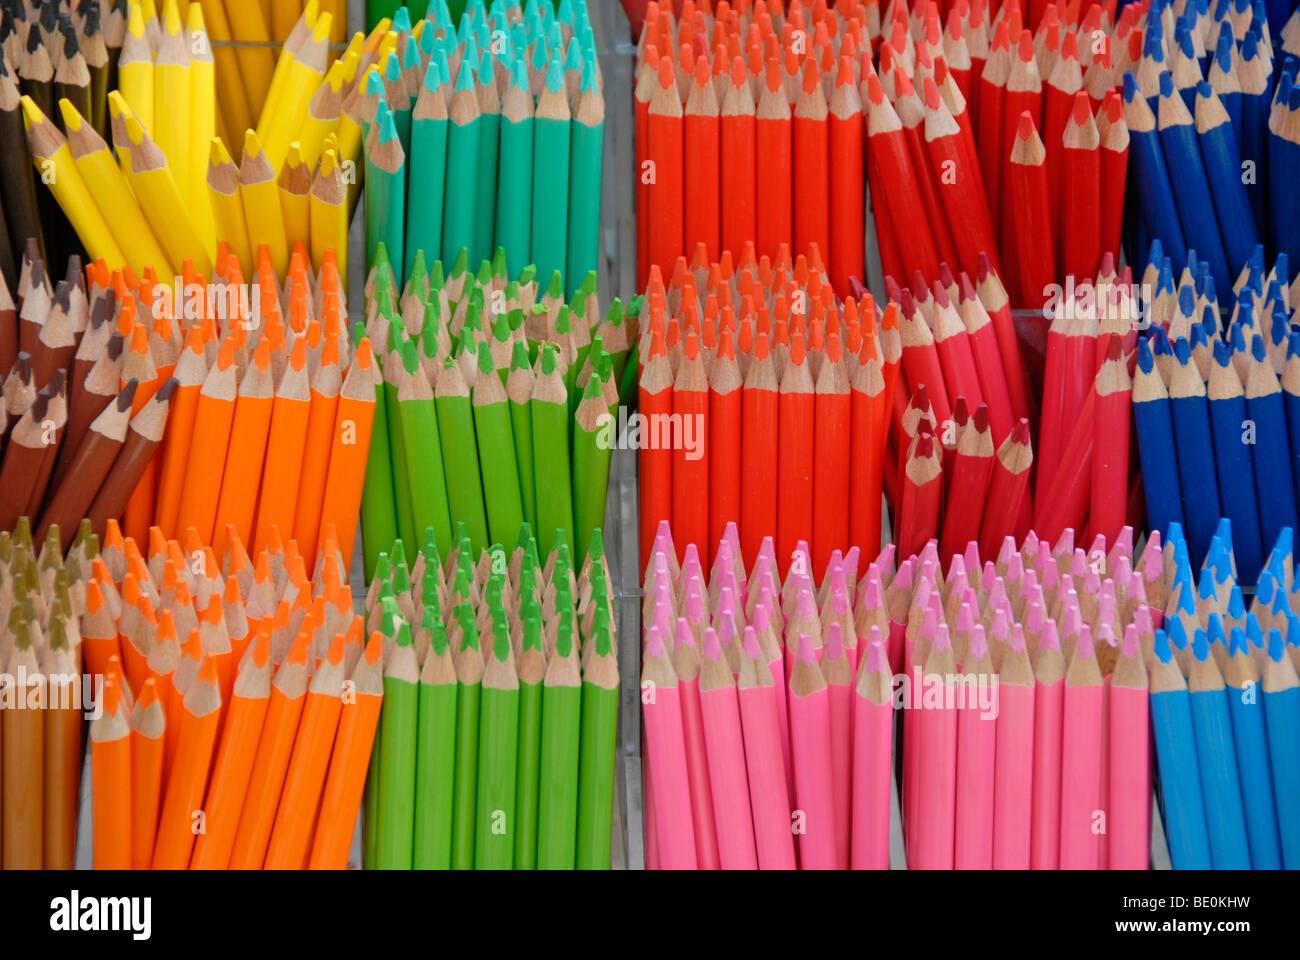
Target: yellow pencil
x: 262, y: 203
x: 152, y: 29
x: 284, y: 14
x: 108, y: 185
x: 256, y: 63
x: 135, y: 69
x: 156, y: 190
x: 294, y: 184
x: 232, y: 100
x: 227, y: 205
x: 171, y: 96
x: 280, y: 125
x: 323, y: 110
x: 300, y: 32
x: 329, y: 214
x: 203, y: 125
x: 56, y: 167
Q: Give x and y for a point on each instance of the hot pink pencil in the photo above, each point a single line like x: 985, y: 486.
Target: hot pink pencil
x: 839, y: 693
x: 810, y: 746
x: 898, y: 599
x: 922, y: 623
x: 1129, y: 795
x: 661, y: 713
x: 937, y: 773
x: 768, y: 797
x: 977, y: 739
x: 1049, y: 688
x: 1081, y: 758
x: 686, y: 663
x: 774, y: 657
x: 722, y: 737
x: 1014, y: 764
x: 873, y: 739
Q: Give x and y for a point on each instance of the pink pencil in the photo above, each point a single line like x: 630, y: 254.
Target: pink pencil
x: 873, y: 737
x: 898, y: 600
x: 839, y: 695
x: 922, y: 622
x: 1129, y: 794
x: 1014, y: 766
x: 768, y: 794
x: 774, y: 657
x: 937, y: 771
x: 651, y: 825
x: 1049, y: 688
x: 686, y: 663
x: 1081, y: 797
x: 977, y: 740
x: 727, y: 779
x: 661, y: 713
x: 810, y: 745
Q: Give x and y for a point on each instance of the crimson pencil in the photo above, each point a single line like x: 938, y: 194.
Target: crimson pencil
x: 952, y: 343
x: 1113, y: 134
x: 831, y: 457
x: 759, y: 452
x: 867, y: 416
x: 1080, y: 193
x: 1111, y: 446
x: 1053, y: 430
x: 656, y: 459
x: 922, y: 486
x: 990, y: 123
x: 691, y: 461
x: 725, y: 435
x: 988, y: 363
x: 665, y: 154
x: 774, y: 178
x: 795, y: 454
x: 1024, y: 94
x: 921, y: 358
x: 993, y: 296
x: 959, y: 190
x: 968, y: 488
x: 739, y: 158
x: 811, y: 155
x: 1066, y: 503
x: 1008, y: 489
x: 700, y: 133
x: 846, y: 237
x: 1060, y: 88
x: 1027, y: 189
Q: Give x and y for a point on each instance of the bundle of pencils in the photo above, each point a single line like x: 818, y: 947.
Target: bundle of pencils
x: 768, y: 715
x: 1214, y: 113
x: 501, y: 686
x: 1225, y: 709
x: 496, y: 406
x: 237, y: 696
x: 1216, y: 404
x: 87, y: 393
x: 44, y: 694
x: 486, y: 132
x: 174, y: 192
x: 47, y: 51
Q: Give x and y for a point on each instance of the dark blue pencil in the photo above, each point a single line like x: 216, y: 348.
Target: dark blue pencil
x: 1284, y: 156
x: 1281, y: 695
x: 1180, y: 777
x: 1256, y: 87
x: 1235, y: 469
x: 1192, y: 441
x: 1155, y: 432
x: 1291, y: 400
x: 1271, y: 451
x: 1218, y: 142
x: 1190, y: 186
x: 1249, y: 737
x: 1151, y: 176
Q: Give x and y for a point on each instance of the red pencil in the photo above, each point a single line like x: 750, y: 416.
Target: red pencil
x: 795, y: 457
x: 867, y: 419
x: 811, y: 143
x: 968, y: 488
x: 665, y: 193
x: 724, y: 448
x: 774, y: 178
x: 759, y: 450
x: 952, y: 343
x: 1008, y: 489
x: 922, y: 486
x: 911, y: 112
x: 988, y: 362
x: 1080, y: 194
x: 1024, y: 93
x: 700, y: 133
x: 847, y: 253
x: 1060, y: 88
x: 831, y: 458
x: 1028, y: 191
x: 990, y: 123
x: 1111, y: 446
x: 739, y: 160
x: 921, y: 358
x: 993, y: 296
x: 1112, y: 130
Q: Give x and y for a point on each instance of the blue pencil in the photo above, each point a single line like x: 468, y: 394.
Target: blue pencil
x: 1215, y: 133
x: 1196, y: 467
x: 1151, y: 176
x: 1284, y: 155
x: 1220, y: 786
x: 1155, y: 432
x: 1250, y: 739
x: 1235, y: 469
x: 1281, y: 695
x: 1180, y: 777
x: 1256, y: 86
x: 1184, y: 65
x: 1190, y: 186
x: 1274, y: 478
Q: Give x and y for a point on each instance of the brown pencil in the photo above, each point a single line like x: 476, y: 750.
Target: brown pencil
x: 143, y: 437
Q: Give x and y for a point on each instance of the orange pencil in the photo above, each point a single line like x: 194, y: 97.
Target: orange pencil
x: 189, y: 771
x: 320, y: 439
x: 243, y: 474
x: 665, y: 148
x: 98, y: 630
x: 294, y: 823
x: 290, y: 412
x: 288, y: 693
x: 347, y: 769
x: 148, y: 727
x: 213, y: 417
x: 110, y: 750
x: 350, y: 445
x: 239, y: 744
x: 847, y: 246
x: 690, y: 469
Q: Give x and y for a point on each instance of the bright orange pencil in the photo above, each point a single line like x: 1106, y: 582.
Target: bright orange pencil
x: 110, y: 750
x: 191, y: 371
x: 290, y: 413
x: 738, y: 157
x: 213, y: 417
x: 690, y: 468
x: 350, y: 445
x: 98, y: 630
x: 296, y: 818
x: 655, y: 463
x: 288, y: 693
x: 188, y: 780
x: 831, y: 430
x: 148, y: 729
x: 242, y: 477
x: 724, y: 450
x: 239, y: 743
x: 351, y: 755
x: 316, y: 454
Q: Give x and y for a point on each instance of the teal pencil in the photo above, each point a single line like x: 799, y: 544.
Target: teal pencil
x: 461, y: 193
x: 551, y: 174
x: 428, y: 165
x: 485, y: 187
x: 385, y: 190
x: 586, y: 150
x: 515, y: 177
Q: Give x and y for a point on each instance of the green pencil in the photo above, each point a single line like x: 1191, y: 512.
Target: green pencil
x: 385, y: 189
x: 397, y: 755
x: 586, y: 152
x: 378, y: 510
x: 420, y: 439
x: 515, y: 178
x: 592, y: 450
x: 496, y: 451
x: 489, y: 132
x: 459, y: 215
x: 550, y: 173
x: 550, y: 409
x: 469, y: 688
x: 435, y: 763
x: 498, y: 741
x: 598, y: 744
x: 519, y: 390
x: 393, y: 365
x: 428, y: 165
x: 460, y: 453
x: 561, y: 716
x: 532, y: 672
